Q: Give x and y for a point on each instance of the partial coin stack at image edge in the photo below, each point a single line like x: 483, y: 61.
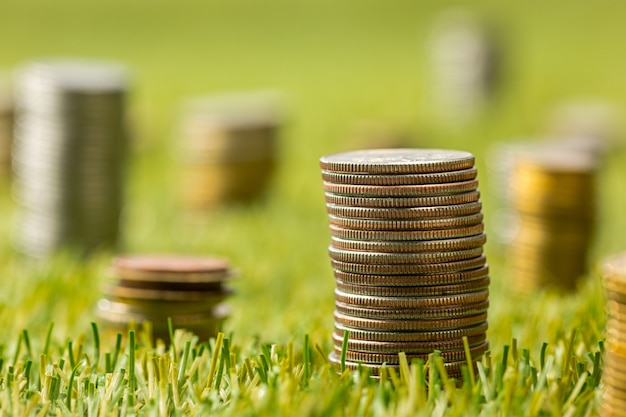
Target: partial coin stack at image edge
x: 188, y: 289
x: 407, y: 254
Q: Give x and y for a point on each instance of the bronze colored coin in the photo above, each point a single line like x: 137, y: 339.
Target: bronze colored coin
x: 413, y: 280
x: 453, y: 369
x: 424, y: 291
x: 210, y: 286
x: 156, y: 307
x: 421, y: 325
x: 218, y: 313
x: 407, y: 347
x: 424, y: 190
x: 401, y: 179
x: 615, y: 396
x: 411, y: 213
x: 442, y: 245
x: 432, y: 201
x: 397, y: 161
x: 152, y: 294
x: 385, y: 336
x: 171, y: 268
x: 393, y: 358
x: 454, y: 311
x: 402, y: 258
x: 411, y: 302
x: 408, y: 269
x: 405, y: 235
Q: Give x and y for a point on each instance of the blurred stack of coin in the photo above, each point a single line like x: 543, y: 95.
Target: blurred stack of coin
x: 228, y: 148
x: 553, y: 193
x: 407, y: 253
x: 189, y: 290
x: 614, y: 370
x: 69, y: 147
x: 6, y: 132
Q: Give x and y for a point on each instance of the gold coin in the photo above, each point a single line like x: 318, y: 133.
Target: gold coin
x: 397, y: 161
x: 411, y: 302
x: 411, y: 246
x: 421, y: 325
x: 407, y: 347
x: 390, y: 336
x: 405, y: 235
x: 400, y: 179
x: 402, y: 258
x: 423, y: 291
x: 451, y: 311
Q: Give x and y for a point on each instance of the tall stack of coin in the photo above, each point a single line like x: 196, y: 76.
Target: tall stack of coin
x: 189, y: 290
x: 553, y: 192
x: 228, y: 149
x: 70, y: 142
x: 407, y: 253
x: 614, y: 371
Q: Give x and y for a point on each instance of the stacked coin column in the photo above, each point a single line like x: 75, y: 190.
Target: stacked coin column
x: 407, y: 253
x: 614, y: 370
x: 189, y: 290
x: 553, y: 193
x: 6, y: 133
x: 228, y: 149
x: 70, y: 142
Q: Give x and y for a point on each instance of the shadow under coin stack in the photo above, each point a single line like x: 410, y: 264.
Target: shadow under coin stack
x: 553, y: 194
x: 228, y: 148
x: 69, y: 150
x: 188, y: 289
x: 407, y: 253
x: 613, y: 402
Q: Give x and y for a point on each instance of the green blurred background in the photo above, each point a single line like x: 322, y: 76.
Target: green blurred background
x: 338, y: 63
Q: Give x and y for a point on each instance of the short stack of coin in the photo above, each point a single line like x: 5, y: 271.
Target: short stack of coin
x: 407, y: 253
x: 189, y: 290
x: 68, y: 155
x: 228, y: 148
x: 553, y: 193
x: 614, y: 371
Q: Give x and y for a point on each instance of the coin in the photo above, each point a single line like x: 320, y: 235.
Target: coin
x: 405, y: 235
x: 412, y: 213
x: 423, y: 291
x: 408, y: 269
x: 422, y: 325
x: 401, y: 179
x: 423, y: 190
x: 451, y: 311
x: 411, y: 302
x: 393, y: 358
x: 441, y: 245
x: 399, y: 202
x: 402, y: 258
x: 396, y: 161
x: 164, y: 268
x: 413, y: 280
x: 390, y: 336
x: 407, y: 347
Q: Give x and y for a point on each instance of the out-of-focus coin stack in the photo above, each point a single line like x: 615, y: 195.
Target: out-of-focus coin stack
x: 69, y: 147
x: 190, y: 290
x: 228, y: 148
x: 6, y: 132
x: 553, y: 193
x: 407, y: 253
x: 614, y: 371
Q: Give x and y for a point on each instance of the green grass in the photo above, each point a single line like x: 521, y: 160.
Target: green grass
x: 338, y: 63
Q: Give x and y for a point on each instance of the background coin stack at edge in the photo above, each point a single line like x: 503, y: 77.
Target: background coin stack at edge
x: 6, y: 132
x: 228, y: 148
x: 553, y: 194
x: 613, y: 402
x: 407, y: 238
x: 190, y: 290
x: 69, y: 150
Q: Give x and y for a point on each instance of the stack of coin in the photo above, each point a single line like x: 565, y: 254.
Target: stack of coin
x: 228, y: 148
x: 614, y: 371
x: 553, y: 193
x: 407, y: 253
x: 189, y: 290
x: 6, y: 133
x: 70, y: 142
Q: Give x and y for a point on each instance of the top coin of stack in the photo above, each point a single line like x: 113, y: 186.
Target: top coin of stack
x: 407, y: 238
x: 614, y: 371
x: 188, y: 289
x: 70, y: 143
x: 228, y: 147
x: 553, y: 193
